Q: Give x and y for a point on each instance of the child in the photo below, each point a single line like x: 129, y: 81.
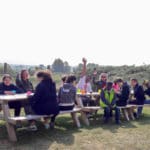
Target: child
x: 7, y: 88
x: 107, y: 102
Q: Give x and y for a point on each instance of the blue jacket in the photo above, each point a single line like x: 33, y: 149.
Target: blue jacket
x: 139, y: 94
x: 124, y: 95
x: 44, y: 101
x: 11, y: 87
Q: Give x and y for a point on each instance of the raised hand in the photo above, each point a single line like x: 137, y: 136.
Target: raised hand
x: 84, y: 60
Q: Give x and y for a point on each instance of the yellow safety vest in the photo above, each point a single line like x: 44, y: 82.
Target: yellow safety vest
x: 108, y: 97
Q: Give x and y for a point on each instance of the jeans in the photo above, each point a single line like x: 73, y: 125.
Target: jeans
x: 108, y: 114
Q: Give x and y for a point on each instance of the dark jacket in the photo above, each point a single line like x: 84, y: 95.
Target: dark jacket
x: 24, y: 86
x: 11, y: 87
x: 124, y: 95
x: 139, y: 94
x: 99, y: 84
x: 147, y: 92
x: 44, y: 101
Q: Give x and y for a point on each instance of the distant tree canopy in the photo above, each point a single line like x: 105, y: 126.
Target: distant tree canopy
x: 60, y: 66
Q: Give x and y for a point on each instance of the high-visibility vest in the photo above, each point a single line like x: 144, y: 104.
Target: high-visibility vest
x: 109, y: 96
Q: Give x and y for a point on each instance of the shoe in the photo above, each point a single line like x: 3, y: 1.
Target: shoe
x: 135, y: 115
x: 47, y: 126
x: 118, y: 122
x: 32, y: 128
x: 105, y: 121
x: 52, y: 125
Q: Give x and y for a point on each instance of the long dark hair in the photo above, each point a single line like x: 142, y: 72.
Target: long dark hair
x: 22, y: 72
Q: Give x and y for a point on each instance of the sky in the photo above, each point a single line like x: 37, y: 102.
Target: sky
x: 106, y: 32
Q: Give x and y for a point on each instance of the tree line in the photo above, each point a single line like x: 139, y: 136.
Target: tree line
x: 60, y: 66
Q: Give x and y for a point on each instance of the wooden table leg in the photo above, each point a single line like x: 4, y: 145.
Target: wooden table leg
x: 125, y: 112
x: 79, y: 101
x: 75, y: 119
x: 131, y: 113
x: 10, y: 127
x: 85, y: 118
x: 83, y: 114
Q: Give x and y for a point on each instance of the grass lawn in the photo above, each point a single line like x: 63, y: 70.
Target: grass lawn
x: 133, y: 135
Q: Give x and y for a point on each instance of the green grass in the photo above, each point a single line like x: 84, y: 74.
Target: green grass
x: 133, y: 135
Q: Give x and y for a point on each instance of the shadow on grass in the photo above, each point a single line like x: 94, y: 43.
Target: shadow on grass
x: 41, y: 139
x: 111, y: 126
x: 144, y: 119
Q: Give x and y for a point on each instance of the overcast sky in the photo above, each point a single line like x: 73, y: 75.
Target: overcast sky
x: 107, y: 32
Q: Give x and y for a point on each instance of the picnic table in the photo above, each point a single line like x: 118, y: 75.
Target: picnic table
x: 11, y: 121
x: 79, y: 95
x: 4, y: 99
x: 87, y: 108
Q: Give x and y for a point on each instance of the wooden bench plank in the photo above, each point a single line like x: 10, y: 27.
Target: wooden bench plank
x: 91, y: 108
x: 13, y: 120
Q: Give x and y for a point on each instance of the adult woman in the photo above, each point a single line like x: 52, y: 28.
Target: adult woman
x: 25, y: 85
x: 44, y: 101
x: 7, y: 88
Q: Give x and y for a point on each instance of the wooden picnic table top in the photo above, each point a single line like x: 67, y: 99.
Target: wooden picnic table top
x: 14, y: 97
x: 89, y: 94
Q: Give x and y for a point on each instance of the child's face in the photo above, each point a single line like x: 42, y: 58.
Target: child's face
x: 7, y: 81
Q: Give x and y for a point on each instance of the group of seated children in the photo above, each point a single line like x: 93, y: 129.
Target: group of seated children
x: 113, y: 94
x: 45, y: 100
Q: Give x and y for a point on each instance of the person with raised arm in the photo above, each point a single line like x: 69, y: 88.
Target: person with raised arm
x: 84, y: 85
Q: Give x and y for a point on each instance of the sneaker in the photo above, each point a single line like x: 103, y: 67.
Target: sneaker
x: 47, y: 126
x: 52, y: 124
x: 32, y: 128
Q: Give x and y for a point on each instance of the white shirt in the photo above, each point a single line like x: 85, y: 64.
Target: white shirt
x: 82, y: 85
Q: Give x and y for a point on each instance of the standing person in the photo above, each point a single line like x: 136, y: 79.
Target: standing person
x: 67, y: 94
x: 139, y: 97
x: 7, y: 88
x: 25, y: 85
x: 101, y: 83
x: 44, y: 101
x: 107, y: 102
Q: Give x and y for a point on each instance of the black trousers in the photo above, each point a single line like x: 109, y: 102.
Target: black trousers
x: 65, y: 108
x: 17, y: 106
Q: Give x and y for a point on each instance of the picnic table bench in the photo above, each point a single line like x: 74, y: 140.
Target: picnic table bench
x: 11, y: 121
x: 128, y: 110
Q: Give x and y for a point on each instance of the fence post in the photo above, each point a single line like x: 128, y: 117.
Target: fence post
x: 5, y: 68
